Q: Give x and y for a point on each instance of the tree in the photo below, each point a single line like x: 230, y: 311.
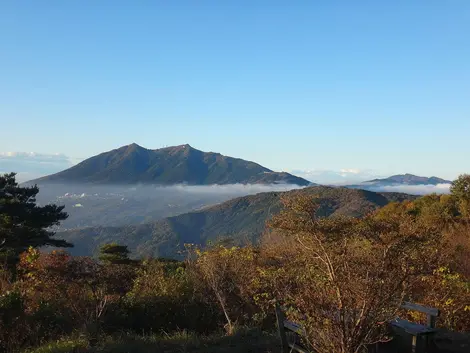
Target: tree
x: 460, y: 189
x: 224, y: 272
x: 114, y: 254
x: 355, y: 273
x: 23, y: 223
x: 79, y: 286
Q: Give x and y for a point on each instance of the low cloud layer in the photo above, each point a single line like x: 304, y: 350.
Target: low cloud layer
x: 116, y: 205
x: 30, y: 165
x: 242, y: 189
x: 417, y: 189
x: 343, y: 176
x: 143, y: 191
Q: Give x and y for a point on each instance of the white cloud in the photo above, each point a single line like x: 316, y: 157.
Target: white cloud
x: 34, y: 156
x: 416, y: 189
x: 30, y: 165
x: 351, y: 171
x: 342, y: 176
x: 231, y: 189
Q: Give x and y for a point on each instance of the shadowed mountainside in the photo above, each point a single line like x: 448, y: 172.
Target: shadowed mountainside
x: 241, y: 219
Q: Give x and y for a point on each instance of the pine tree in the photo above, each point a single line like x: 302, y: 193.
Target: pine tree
x: 23, y: 223
x: 114, y: 254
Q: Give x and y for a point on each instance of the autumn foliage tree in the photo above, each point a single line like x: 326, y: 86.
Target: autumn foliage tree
x: 78, y: 287
x: 225, y: 272
x: 447, y: 287
x: 354, y: 276
x: 460, y: 189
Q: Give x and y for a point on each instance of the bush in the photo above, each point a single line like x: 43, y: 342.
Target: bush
x: 163, y: 297
x: 12, y: 321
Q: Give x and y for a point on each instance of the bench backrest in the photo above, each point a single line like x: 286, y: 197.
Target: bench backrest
x: 431, y: 313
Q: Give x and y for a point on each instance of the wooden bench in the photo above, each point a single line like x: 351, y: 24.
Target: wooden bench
x: 291, y: 333
x: 420, y: 334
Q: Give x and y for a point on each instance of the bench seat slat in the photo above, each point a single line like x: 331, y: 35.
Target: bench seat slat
x: 411, y: 327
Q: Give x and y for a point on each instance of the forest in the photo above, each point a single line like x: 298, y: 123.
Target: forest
x: 343, y: 278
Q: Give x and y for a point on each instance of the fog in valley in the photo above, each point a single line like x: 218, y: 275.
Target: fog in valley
x: 114, y: 205
x: 118, y: 205
x: 411, y: 189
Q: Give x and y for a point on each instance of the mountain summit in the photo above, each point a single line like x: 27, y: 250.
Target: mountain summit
x: 170, y: 165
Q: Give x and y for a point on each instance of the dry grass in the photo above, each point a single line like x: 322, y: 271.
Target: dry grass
x: 244, y: 341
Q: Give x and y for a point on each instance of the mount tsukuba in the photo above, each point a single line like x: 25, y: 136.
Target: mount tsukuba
x: 182, y: 164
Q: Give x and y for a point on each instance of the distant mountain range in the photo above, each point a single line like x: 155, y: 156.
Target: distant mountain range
x: 241, y: 220
x: 397, y: 181
x: 408, y: 179
x: 171, y: 165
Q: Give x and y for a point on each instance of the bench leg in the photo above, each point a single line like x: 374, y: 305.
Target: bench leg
x: 413, y: 344
x: 282, y: 332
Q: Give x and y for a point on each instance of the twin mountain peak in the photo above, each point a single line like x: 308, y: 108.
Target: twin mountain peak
x: 170, y: 165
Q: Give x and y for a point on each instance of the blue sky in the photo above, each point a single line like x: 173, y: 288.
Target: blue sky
x: 376, y: 86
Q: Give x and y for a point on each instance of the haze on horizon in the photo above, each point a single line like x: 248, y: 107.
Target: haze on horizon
x: 31, y: 165
x: 334, y: 93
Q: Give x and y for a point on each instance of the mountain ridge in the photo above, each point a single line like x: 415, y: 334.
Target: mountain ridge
x: 180, y: 164
x: 408, y: 179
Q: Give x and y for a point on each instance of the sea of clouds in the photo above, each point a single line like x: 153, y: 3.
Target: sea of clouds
x: 417, y: 189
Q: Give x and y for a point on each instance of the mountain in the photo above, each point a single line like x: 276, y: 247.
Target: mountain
x: 409, y: 183
x: 171, y: 165
x: 408, y: 179
x: 242, y: 220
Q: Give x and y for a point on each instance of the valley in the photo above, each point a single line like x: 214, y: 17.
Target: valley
x: 119, y: 205
x: 156, y: 201
x: 234, y: 177
x: 240, y: 221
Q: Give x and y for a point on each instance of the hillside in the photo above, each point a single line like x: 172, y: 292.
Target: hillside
x: 242, y: 220
x: 172, y: 165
